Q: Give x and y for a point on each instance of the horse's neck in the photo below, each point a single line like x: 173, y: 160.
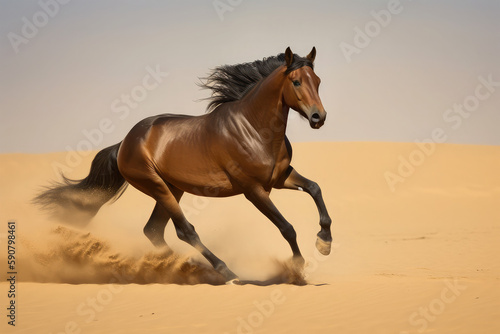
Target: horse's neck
x: 263, y: 107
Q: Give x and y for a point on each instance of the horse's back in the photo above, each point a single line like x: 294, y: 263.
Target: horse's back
x: 146, y: 124
x: 146, y: 136
x: 143, y: 129
x: 178, y: 149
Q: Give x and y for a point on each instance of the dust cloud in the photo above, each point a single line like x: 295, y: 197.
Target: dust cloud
x: 76, y: 257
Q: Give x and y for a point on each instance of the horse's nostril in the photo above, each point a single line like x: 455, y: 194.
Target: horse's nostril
x: 315, y: 117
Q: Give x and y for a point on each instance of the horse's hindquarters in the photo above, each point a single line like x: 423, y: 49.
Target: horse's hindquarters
x: 178, y: 150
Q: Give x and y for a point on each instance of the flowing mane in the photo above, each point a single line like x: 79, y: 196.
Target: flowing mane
x: 231, y: 82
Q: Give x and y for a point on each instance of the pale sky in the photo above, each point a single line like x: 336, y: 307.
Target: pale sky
x: 390, y: 72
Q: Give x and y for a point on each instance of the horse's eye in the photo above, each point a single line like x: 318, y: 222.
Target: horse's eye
x: 296, y: 83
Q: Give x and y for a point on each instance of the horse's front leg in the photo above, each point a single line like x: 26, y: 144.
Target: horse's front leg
x: 295, y: 181
x: 260, y: 198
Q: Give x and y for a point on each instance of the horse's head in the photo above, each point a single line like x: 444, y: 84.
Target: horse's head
x: 301, y: 88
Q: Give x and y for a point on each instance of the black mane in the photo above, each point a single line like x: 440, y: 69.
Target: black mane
x: 231, y: 82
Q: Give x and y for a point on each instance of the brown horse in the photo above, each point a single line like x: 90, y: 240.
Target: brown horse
x: 239, y: 147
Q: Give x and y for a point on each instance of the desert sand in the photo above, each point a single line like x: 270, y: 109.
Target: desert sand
x: 421, y: 257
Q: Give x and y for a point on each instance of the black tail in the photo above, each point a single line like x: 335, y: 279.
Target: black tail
x: 72, y: 198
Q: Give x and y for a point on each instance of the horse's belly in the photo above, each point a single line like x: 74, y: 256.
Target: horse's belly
x: 210, y: 186
x: 196, y: 174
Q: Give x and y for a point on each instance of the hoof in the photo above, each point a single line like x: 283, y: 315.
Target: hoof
x: 324, y: 247
x: 234, y: 281
x: 228, y: 274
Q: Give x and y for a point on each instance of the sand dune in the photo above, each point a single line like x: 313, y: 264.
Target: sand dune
x: 419, y: 256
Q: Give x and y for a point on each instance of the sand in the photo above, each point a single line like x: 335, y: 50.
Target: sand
x: 420, y: 257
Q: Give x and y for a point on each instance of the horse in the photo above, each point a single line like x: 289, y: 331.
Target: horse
x: 238, y: 146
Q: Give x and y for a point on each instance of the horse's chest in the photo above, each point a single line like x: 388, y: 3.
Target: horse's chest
x: 252, y: 162
x: 279, y: 169
x: 275, y: 169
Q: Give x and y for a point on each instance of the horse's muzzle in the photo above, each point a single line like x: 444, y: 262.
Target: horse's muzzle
x: 316, y: 120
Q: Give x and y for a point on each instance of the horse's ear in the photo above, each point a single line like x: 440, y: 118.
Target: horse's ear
x: 288, y: 57
x: 312, y: 54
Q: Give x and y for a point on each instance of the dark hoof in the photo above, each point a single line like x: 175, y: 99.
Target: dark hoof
x: 324, y: 247
x: 228, y: 274
x: 234, y: 281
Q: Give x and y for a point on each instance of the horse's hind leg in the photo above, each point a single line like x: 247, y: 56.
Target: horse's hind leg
x: 155, y: 187
x: 155, y: 227
x: 295, y: 181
